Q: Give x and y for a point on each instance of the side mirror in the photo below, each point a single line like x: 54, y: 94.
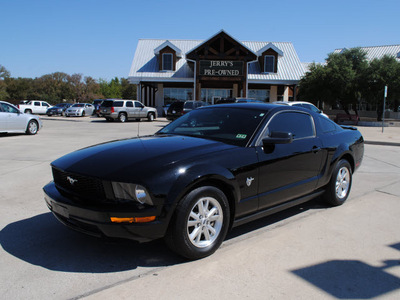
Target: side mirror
x: 278, y: 138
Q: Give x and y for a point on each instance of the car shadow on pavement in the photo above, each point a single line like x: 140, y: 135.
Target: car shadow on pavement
x: 43, y: 241
x: 351, y: 279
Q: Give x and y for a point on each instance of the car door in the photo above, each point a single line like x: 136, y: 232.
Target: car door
x: 45, y: 106
x: 140, y: 110
x: 288, y: 171
x: 130, y: 109
x: 14, y: 120
x: 3, y: 119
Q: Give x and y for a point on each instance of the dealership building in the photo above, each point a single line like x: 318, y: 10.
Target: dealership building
x: 212, y: 69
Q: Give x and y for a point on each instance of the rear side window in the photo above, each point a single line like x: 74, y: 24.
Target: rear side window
x: 107, y: 103
x: 118, y: 104
x: 300, y: 125
x: 327, y: 125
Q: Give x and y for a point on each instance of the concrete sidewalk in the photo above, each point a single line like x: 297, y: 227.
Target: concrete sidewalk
x: 374, y: 135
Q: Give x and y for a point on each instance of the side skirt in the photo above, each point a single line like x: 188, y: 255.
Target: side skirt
x: 275, y: 209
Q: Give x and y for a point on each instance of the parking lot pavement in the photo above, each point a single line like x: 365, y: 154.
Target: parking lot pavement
x: 308, y: 252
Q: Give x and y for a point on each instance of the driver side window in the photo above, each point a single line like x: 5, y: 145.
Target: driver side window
x: 299, y: 124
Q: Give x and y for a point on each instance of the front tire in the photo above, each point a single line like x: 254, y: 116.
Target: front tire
x: 150, y: 117
x: 200, y: 223
x: 83, y: 113
x: 32, y: 127
x: 338, y: 189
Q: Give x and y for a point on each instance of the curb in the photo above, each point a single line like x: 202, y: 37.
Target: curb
x: 382, y: 143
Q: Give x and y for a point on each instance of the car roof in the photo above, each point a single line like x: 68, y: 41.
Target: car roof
x: 266, y: 107
x: 292, y: 102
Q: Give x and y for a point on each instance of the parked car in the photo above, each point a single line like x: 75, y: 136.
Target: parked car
x: 58, y: 109
x: 80, y: 110
x: 213, y: 168
x: 12, y: 120
x: 97, y: 103
x: 303, y: 104
x: 34, y: 107
x: 179, y: 108
x: 238, y: 100
x: 124, y: 110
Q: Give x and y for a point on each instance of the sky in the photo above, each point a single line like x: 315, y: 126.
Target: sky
x: 98, y: 38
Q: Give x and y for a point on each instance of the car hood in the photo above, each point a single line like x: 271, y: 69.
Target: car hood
x: 131, y: 159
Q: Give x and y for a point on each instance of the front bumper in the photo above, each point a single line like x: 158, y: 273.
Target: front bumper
x: 96, y: 221
x: 74, y: 114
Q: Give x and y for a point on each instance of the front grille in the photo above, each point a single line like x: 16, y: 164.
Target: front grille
x: 84, y: 187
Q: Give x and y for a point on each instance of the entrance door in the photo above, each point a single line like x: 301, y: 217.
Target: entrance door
x: 209, y: 95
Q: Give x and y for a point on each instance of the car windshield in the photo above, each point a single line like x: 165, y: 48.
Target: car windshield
x: 188, y: 105
x: 79, y: 105
x: 230, y: 125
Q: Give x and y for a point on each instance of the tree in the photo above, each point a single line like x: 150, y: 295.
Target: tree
x: 128, y: 90
x: 383, y: 72
x: 4, y: 73
x: 340, y: 80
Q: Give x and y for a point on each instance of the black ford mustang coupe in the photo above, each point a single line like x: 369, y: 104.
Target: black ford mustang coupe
x: 214, y: 168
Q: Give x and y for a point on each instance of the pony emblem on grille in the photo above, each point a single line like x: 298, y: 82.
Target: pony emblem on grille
x: 71, y: 180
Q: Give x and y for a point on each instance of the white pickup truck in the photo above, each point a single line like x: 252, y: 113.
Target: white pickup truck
x: 34, y: 107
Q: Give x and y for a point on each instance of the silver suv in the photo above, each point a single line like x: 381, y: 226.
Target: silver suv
x: 124, y: 110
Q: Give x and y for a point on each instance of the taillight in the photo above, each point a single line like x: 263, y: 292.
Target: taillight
x: 112, y: 109
x: 18, y: 105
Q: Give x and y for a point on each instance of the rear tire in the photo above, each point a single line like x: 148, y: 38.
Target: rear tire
x: 338, y: 189
x: 122, y: 117
x: 200, y: 223
x: 83, y: 113
x: 28, y: 111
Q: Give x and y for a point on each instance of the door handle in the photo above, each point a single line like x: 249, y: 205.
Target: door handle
x: 316, y: 149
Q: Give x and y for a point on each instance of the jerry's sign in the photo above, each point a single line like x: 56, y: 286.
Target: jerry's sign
x: 221, y: 68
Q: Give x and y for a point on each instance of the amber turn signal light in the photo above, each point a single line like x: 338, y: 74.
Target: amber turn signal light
x: 133, y: 220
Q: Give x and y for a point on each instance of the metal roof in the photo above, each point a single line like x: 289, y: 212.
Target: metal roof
x: 378, y: 51
x: 145, y: 63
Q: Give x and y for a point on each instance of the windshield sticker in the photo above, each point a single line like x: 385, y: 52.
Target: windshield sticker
x: 241, y: 136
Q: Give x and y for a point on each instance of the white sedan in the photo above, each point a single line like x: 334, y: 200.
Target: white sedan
x: 80, y: 110
x: 304, y: 104
x: 12, y: 120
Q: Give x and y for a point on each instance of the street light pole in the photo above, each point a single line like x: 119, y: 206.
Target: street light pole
x: 384, y: 104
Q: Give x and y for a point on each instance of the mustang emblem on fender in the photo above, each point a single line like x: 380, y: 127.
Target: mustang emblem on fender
x: 71, y: 180
x: 249, y: 181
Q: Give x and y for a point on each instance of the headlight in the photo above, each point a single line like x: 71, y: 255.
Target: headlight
x: 131, y: 192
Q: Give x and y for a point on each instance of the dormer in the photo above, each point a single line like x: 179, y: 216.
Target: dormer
x: 168, y: 54
x: 268, y: 58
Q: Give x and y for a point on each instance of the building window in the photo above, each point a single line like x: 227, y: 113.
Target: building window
x: 177, y: 94
x: 167, y: 59
x: 262, y: 95
x: 269, y: 64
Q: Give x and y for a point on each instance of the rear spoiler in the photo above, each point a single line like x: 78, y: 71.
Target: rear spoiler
x: 348, y: 127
